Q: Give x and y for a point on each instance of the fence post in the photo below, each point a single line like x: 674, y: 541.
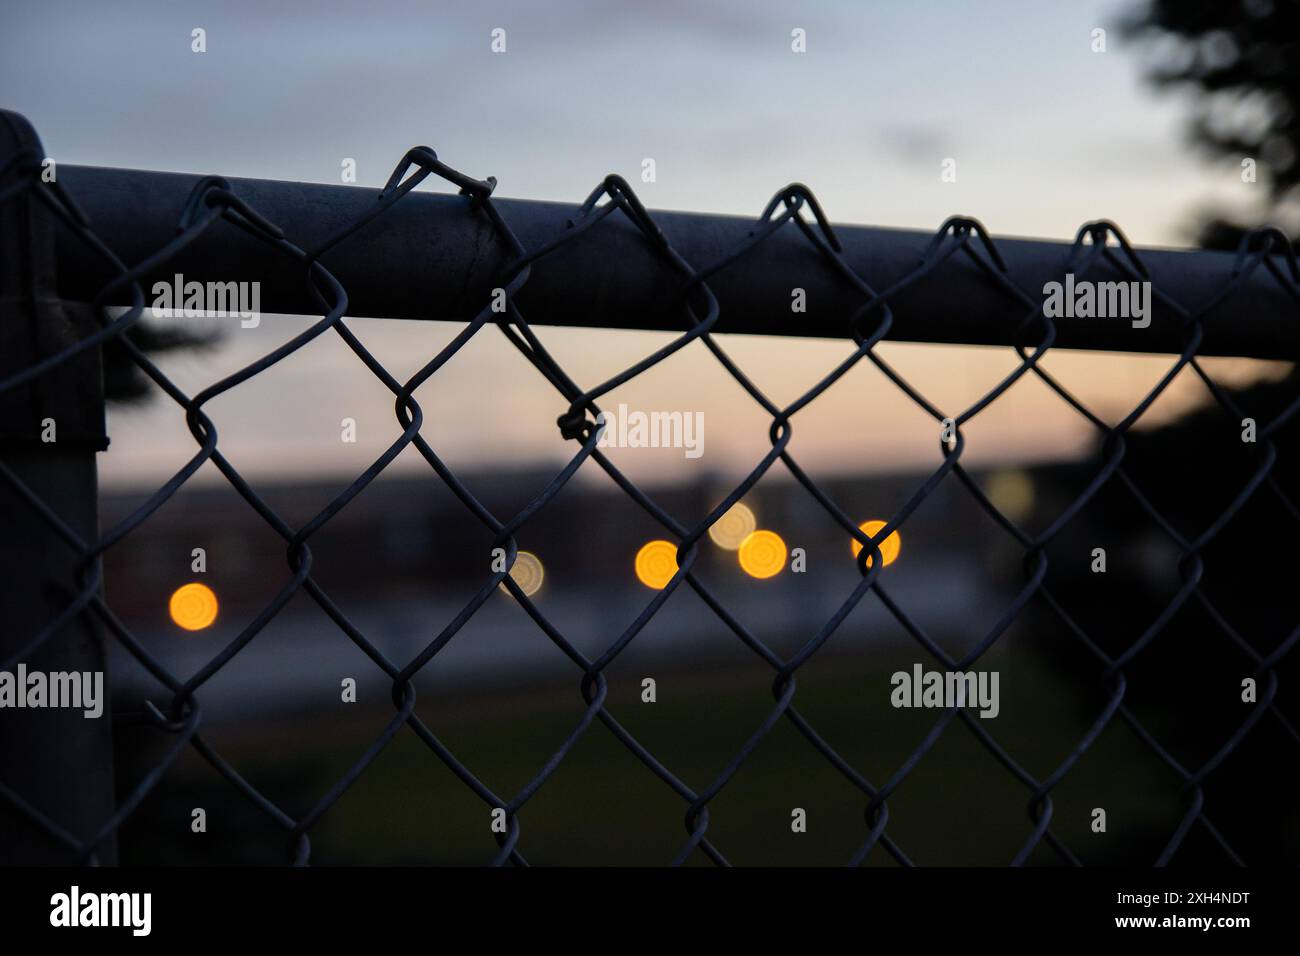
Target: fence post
x: 56, y: 760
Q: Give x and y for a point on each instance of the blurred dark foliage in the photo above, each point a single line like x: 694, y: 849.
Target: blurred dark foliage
x: 123, y: 380
x: 1243, y: 58
x: 1185, y: 685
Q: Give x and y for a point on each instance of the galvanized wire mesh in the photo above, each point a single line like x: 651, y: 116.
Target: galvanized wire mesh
x: 177, y: 711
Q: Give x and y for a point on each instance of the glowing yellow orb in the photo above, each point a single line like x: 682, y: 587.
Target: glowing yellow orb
x: 656, y: 563
x: 735, y: 525
x: 762, y: 554
x: 193, y: 606
x: 527, y: 573
x: 889, y: 548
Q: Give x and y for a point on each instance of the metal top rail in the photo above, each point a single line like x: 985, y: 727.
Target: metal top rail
x: 427, y: 259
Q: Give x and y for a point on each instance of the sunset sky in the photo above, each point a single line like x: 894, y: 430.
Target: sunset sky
x: 1046, y: 134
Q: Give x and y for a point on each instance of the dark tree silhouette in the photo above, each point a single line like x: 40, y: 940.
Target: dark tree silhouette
x: 123, y: 380
x: 1241, y: 61
x: 1243, y: 57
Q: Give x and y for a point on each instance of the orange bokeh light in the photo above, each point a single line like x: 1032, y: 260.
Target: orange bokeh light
x: 656, y: 563
x: 762, y: 554
x: 193, y: 606
x: 889, y: 548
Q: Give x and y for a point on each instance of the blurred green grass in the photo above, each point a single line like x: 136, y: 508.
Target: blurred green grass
x: 959, y: 805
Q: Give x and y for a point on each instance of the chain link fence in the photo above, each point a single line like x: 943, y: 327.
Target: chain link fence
x: 58, y: 786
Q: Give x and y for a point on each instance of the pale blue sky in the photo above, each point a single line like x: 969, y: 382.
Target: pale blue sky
x: 1046, y: 133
